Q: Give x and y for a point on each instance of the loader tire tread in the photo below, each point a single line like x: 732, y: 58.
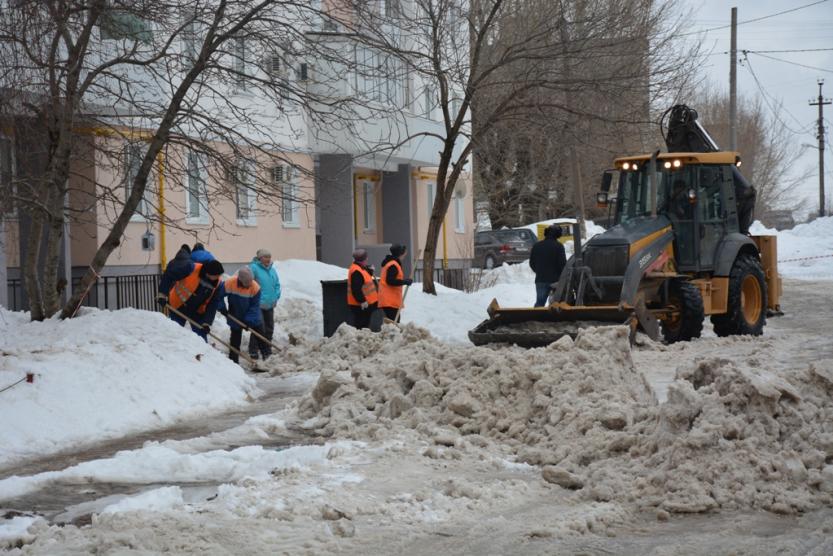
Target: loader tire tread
x: 733, y: 322
x: 690, y: 324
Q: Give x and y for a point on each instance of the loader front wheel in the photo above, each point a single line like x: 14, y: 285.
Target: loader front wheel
x: 686, y: 319
x: 746, y: 307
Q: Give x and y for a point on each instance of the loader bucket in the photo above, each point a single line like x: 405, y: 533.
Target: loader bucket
x: 540, y: 326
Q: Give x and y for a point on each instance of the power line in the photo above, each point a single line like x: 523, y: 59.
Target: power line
x: 794, y: 50
x: 766, y: 98
x: 753, y: 20
x: 788, y: 61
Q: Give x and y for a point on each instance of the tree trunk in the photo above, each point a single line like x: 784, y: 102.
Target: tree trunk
x: 55, y: 232
x: 31, y: 280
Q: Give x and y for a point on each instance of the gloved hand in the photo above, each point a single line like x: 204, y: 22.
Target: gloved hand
x: 223, y: 311
x: 364, y: 305
x: 206, y: 327
x: 408, y: 281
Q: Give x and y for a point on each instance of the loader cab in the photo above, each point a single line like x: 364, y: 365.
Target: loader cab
x: 696, y: 196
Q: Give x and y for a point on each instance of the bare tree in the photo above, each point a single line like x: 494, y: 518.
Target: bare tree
x: 203, y: 85
x: 524, y: 65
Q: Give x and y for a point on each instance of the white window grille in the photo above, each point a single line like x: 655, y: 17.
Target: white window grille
x: 432, y: 193
x: 459, y: 212
x: 245, y: 196
x: 369, y: 198
x: 196, y: 198
x: 133, y: 154
x: 428, y: 101
x: 239, y: 54
x: 285, y: 178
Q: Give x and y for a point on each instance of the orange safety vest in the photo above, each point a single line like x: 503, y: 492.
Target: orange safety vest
x: 390, y: 296
x: 185, y: 288
x: 233, y: 286
x: 368, y: 288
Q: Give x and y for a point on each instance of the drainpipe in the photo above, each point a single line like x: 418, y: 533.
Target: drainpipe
x: 163, y: 259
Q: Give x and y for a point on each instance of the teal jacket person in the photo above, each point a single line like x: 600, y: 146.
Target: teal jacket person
x: 267, y: 277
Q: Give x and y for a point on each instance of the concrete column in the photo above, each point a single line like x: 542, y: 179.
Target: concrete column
x: 334, y: 194
x: 397, y: 212
x: 4, y: 274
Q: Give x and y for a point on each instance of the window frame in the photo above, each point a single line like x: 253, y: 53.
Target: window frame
x: 135, y: 151
x: 431, y: 189
x: 369, y: 206
x: 202, y: 217
x: 459, y: 213
x: 288, y: 183
x: 243, y: 175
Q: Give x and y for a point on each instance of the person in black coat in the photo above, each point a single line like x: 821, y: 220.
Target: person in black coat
x: 547, y: 259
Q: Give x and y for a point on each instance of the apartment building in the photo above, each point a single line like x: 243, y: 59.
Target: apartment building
x: 317, y: 192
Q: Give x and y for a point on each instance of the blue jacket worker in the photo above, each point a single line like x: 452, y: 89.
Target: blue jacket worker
x: 243, y: 296
x: 200, y: 255
x: 547, y: 259
x: 266, y: 275
x: 193, y: 289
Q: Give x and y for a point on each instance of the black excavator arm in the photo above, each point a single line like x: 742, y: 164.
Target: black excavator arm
x: 683, y: 133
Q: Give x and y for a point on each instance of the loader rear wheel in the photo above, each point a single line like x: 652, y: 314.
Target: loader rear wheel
x: 746, y: 307
x: 686, y: 321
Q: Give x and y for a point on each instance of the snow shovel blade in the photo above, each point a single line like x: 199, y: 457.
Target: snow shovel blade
x: 540, y: 326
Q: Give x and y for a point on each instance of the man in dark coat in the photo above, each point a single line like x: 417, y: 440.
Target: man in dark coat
x: 547, y: 259
x: 194, y: 289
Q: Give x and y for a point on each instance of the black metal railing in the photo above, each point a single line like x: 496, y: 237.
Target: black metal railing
x: 108, y: 292
x: 449, y: 277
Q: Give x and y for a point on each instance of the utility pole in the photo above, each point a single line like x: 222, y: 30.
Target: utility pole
x: 733, y: 84
x: 820, y: 103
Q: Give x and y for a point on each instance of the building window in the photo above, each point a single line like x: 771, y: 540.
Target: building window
x: 245, y: 198
x: 369, y: 198
x: 285, y: 179
x: 190, y: 47
x: 432, y: 192
x: 196, y: 199
x: 459, y: 212
x: 239, y: 53
x: 428, y: 101
x: 134, y: 153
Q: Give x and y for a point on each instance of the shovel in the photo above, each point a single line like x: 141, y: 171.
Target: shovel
x: 255, y: 368
x: 246, y: 327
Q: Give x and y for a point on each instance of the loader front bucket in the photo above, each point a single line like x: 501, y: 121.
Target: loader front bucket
x: 540, y: 326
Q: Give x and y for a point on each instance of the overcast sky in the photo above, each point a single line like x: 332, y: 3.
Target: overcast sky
x: 786, y: 80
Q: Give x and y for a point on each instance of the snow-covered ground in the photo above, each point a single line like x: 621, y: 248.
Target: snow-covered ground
x: 421, y: 443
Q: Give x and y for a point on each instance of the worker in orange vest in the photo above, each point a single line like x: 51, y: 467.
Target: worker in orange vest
x: 391, y: 280
x: 362, y: 296
x: 194, y: 289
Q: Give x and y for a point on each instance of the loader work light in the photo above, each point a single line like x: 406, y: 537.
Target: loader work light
x: 626, y: 166
x: 667, y: 165
x: 677, y: 163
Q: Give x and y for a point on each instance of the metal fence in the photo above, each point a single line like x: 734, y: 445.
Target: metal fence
x: 108, y: 292
x: 449, y: 277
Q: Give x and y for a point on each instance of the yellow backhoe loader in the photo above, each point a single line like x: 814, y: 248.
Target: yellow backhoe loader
x: 679, y: 250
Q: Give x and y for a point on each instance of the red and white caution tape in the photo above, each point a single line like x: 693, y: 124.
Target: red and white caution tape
x: 805, y: 259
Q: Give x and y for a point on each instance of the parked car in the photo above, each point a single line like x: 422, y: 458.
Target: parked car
x: 495, y: 247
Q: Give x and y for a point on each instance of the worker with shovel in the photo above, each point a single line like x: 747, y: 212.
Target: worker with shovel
x: 194, y: 291
x: 391, y: 280
x: 243, y: 295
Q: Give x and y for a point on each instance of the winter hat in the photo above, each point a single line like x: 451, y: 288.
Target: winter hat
x: 397, y: 249
x: 244, y: 276
x: 213, y: 267
x: 184, y: 247
x: 263, y: 253
x: 360, y: 255
x: 552, y: 231
x: 198, y: 247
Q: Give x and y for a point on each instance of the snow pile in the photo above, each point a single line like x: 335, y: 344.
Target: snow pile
x: 733, y: 436
x: 104, y: 375
x: 811, y: 243
x: 730, y: 436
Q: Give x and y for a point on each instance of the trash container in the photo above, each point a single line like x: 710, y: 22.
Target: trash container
x: 336, y: 310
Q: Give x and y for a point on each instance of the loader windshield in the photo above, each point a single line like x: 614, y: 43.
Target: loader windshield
x: 635, y: 198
